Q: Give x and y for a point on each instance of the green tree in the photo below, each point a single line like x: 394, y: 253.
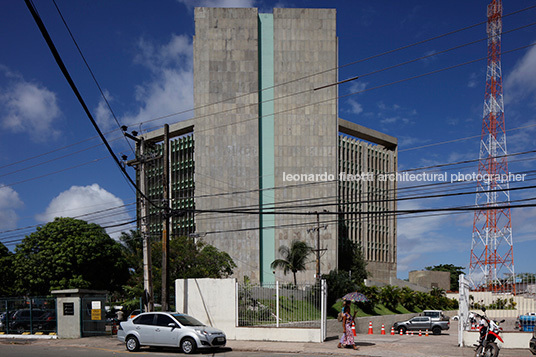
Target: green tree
x: 294, y: 258
x: 187, y: 259
x: 454, y: 273
x: 390, y: 296
x: 6, y: 271
x: 339, y: 284
x: 68, y: 253
x: 351, y: 259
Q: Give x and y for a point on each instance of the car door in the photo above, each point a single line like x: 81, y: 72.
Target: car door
x: 144, y: 326
x: 421, y: 323
x: 164, y: 335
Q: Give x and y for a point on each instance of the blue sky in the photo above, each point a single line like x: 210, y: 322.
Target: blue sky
x: 52, y: 163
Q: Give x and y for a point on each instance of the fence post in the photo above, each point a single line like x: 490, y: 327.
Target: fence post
x: 463, y: 308
x: 277, y: 304
x: 236, y: 303
x: 323, y: 310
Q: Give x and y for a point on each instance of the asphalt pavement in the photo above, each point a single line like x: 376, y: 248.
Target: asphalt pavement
x: 377, y: 345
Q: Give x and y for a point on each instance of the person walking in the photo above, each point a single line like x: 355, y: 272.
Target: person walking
x: 347, y: 338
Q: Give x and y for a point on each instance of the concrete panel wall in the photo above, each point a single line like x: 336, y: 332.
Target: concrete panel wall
x: 226, y: 133
x: 306, y: 130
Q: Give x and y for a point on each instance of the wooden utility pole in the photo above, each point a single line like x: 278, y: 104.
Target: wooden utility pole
x: 144, y: 211
x: 165, y: 228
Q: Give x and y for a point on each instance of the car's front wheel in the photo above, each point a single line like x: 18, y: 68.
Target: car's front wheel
x: 188, y: 345
x: 132, y: 344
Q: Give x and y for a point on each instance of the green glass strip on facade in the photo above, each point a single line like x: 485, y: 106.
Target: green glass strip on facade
x: 266, y: 145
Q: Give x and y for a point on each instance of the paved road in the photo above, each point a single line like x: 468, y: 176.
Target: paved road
x: 444, y: 345
x: 18, y: 349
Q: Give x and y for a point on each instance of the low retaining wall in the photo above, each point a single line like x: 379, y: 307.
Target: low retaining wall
x: 511, y: 339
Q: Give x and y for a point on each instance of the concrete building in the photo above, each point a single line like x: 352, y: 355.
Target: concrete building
x: 266, y: 136
x: 430, y: 279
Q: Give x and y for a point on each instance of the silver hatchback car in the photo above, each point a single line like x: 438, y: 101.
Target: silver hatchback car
x: 167, y: 329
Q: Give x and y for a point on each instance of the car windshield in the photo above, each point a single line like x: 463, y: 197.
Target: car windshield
x: 186, y: 320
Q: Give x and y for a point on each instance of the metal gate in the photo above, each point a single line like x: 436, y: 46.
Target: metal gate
x: 93, y: 316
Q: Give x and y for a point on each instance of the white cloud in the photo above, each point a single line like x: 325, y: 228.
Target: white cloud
x: 355, y: 107
x: 28, y: 108
x: 521, y: 82
x: 190, y: 4
x: 473, y: 81
x: 169, y: 91
x: 9, y: 201
x: 357, y: 86
x: 82, y: 202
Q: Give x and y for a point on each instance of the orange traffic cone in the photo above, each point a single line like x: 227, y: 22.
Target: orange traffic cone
x: 426, y: 333
x: 401, y: 333
x: 407, y: 333
x: 392, y: 330
x: 383, y: 329
x: 353, y: 329
x: 420, y: 333
x: 412, y: 333
x: 370, y: 328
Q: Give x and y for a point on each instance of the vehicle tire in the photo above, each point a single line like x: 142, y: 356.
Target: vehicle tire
x: 132, y: 344
x: 402, y: 329
x: 478, y: 351
x: 491, y: 350
x: 188, y: 345
x: 436, y: 330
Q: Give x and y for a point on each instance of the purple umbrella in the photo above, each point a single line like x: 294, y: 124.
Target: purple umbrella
x: 355, y: 297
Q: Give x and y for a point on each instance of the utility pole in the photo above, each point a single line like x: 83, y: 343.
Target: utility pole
x: 144, y: 211
x: 318, y: 249
x: 140, y: 164
x: 165, y: 228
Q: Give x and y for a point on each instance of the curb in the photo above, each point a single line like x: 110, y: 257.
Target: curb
x: 29, y: 337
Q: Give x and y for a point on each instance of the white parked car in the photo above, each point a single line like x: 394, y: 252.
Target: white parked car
x: 167, y: 329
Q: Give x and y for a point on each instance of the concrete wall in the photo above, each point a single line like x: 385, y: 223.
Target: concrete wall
x: 511, y: 339
x: 227, y: 147
x: 68, y: 326
x: 524, y: 305
x: 226, y: 133
x: 306, y: 128
x: 213, y: 302
x: 430, y: 279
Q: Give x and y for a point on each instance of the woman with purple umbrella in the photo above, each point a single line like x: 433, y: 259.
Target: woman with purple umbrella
x: 347, y: 338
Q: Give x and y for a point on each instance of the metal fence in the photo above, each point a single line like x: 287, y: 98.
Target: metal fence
x: 281, y: 305
x: 34, y: 315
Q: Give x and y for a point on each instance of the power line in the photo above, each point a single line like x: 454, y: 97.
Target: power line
x: 67, y: 76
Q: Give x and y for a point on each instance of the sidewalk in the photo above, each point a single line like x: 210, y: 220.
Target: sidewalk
x: 369, y: 346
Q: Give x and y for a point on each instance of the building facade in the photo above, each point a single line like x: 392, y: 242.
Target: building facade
x: 260, y: 160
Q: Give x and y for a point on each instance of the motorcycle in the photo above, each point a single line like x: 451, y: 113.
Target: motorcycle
x: 489, y: 333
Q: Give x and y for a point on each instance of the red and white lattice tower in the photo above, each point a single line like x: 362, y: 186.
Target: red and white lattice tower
x: 492, y: 260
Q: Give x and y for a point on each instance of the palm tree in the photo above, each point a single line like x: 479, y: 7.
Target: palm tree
x: 294, y: 258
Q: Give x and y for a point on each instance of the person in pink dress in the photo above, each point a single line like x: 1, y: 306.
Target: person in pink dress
x: 348, y: 335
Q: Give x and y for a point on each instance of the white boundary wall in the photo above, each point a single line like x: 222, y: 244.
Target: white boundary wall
x: 214, y: 302
x: 511, y: 339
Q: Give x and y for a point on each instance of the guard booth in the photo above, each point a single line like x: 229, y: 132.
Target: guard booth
x: 80, y: 312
